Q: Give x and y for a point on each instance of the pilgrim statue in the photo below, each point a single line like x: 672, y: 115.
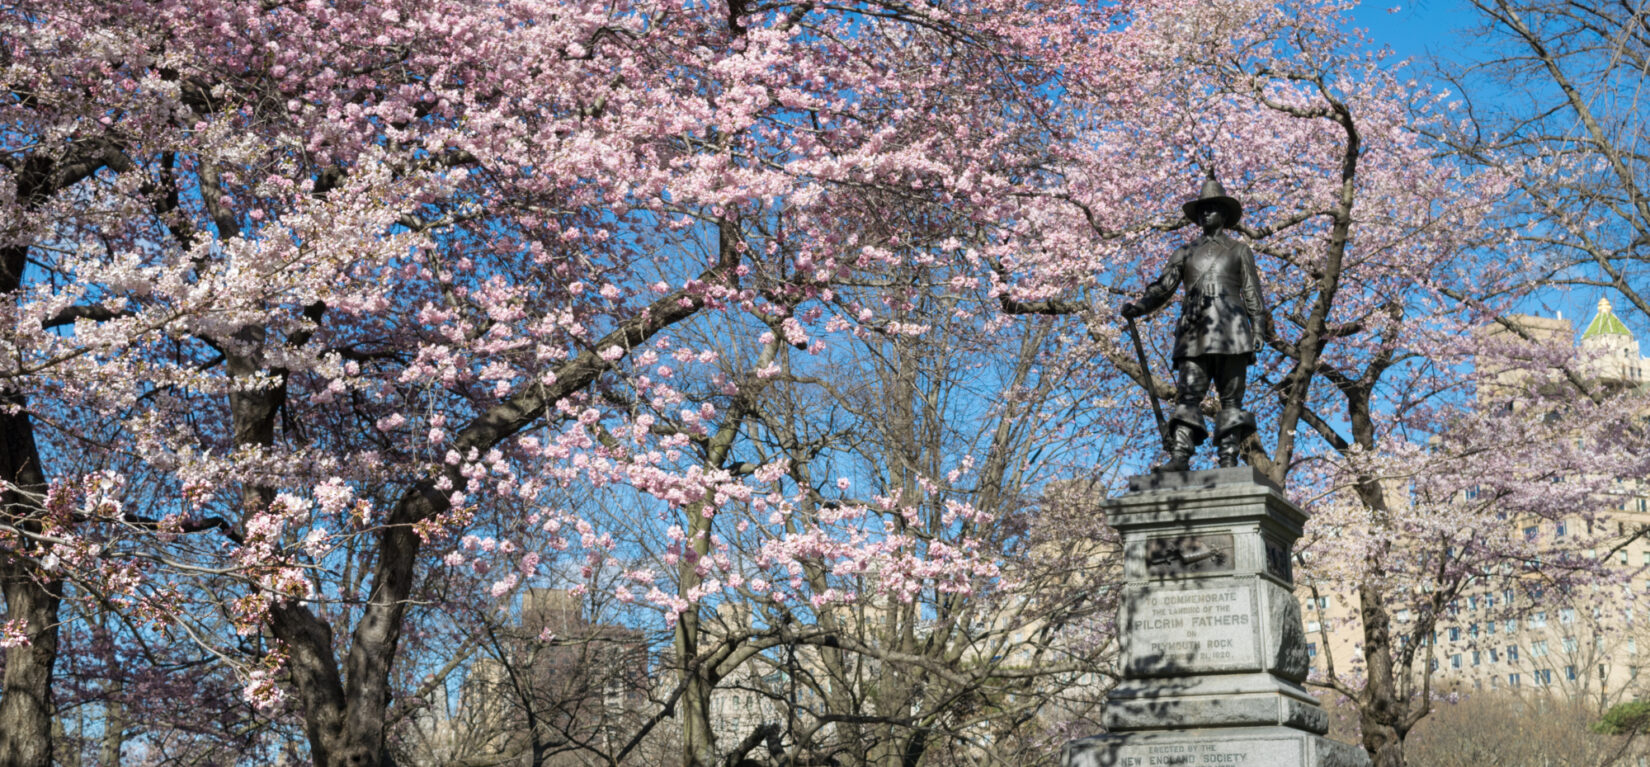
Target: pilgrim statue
x: 1223, y: 319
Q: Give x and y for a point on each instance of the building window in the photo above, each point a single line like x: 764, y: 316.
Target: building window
x: 1476, y: 659
x: 1567, y: 615
x: 1569, y: 644
x: 1489, y: 628
x: 1495, y: 655
x: 1312, y: 627
x: 1311, y: 649
x: 1512, y: 653
x: 1472, y: 630
x: 1570, y: 673
x: 1530, y: 532
x: 1510, y: 625
x: 1512, y: 680
x: 1455, y: 660
x: 1538, y: 649
x: 1558, y: 528
x: 1632, y: 646
x: 1454, y: 633
x: 1621, y: 556
x: 1539, y: 620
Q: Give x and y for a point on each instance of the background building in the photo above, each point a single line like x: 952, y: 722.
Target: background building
x: 1522, y: 636
x: 555, y: 690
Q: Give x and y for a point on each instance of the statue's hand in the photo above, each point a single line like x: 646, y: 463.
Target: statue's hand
x: 1131, y: 310
x: 1267, y: 333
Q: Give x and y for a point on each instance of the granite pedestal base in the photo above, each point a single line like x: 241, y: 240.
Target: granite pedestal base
x: 1224, y: 747
x: 1212, y: 653
x: 1228, y: 700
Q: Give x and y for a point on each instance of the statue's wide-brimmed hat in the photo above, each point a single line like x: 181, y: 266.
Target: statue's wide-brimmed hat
x: 1214, y: 194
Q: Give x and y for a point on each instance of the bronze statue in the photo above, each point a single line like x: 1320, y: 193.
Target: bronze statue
x: 1223, y: 319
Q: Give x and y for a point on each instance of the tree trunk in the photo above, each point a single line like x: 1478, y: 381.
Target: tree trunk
x: 114, y: 726
x: 1382, y: 742
x: 66, y: 752
x: 115, y: 713
x: 1380, y: 710
x: 698, y: 739
x: 314, y: 671
x: 26, y: 709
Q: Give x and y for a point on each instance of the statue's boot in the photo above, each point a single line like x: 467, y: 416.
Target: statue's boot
x: 1182, y: 441
x: 1226, y: 450
x: 1232, y: 426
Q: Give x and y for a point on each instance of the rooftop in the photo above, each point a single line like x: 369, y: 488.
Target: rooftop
x: 1605, y: 322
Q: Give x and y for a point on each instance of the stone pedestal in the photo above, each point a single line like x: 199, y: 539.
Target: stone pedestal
x: 1235, y: 747
x: 1213, y: 654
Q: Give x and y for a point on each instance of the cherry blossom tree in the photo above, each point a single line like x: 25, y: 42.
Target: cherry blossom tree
x: 319, y: 279
x: 924, y: 598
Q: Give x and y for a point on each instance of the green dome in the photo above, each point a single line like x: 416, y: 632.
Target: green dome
x: 1605, y: 323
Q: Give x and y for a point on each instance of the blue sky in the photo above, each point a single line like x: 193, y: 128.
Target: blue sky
x: 1441, y: 30
x: 1429, y: 27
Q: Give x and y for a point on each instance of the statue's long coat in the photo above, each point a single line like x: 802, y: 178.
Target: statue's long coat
x: 1224, y: 304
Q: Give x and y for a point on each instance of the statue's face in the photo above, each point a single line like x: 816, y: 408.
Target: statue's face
x: 1210, y: 217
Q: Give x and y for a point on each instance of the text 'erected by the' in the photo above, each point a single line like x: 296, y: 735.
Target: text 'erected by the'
x: 1249, y: 754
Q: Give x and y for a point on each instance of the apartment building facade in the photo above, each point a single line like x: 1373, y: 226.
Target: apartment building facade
x: 1519, y: 634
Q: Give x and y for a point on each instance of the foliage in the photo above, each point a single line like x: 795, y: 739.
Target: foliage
x: 1496, y: 728
x: 1623, y: 718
